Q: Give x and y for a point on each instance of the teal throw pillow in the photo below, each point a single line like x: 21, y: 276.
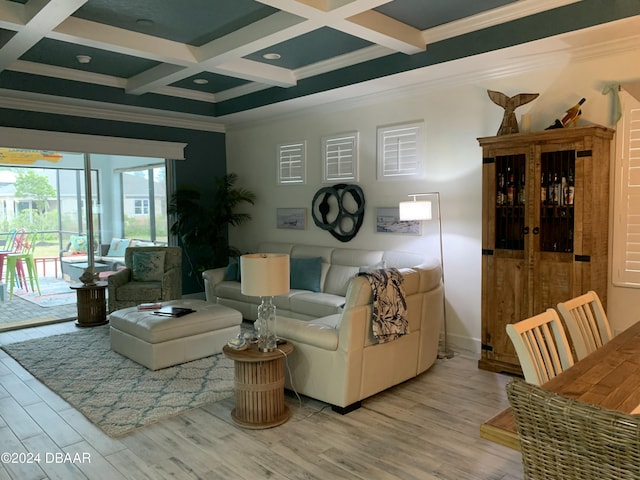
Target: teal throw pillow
x: 118, y: 246
x: 232, y: 273
x: 148, y: 266
x: 78, y: 244
x: 306, y: 273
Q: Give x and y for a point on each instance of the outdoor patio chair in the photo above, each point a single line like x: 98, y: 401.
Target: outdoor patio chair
x: 6, y: 240
x: 9, y: 246
x: 16, y: 261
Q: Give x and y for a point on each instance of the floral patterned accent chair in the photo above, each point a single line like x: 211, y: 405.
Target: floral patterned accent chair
x: 152, y: 274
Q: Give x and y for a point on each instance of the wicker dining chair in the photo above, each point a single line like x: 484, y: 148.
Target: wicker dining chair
x: 541, y: 346
x: 563, y: 438
x: 586, y: 322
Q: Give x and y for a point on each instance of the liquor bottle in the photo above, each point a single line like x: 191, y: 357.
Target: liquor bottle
x: 511, y: 189
x: 573, y: 113
x: 563, y: 190
x: 543, y: 190
x: 549, y: 189
x: 522, y: 191
x: 570, y: 189
x: 500, y: 194
x: 555, y: 195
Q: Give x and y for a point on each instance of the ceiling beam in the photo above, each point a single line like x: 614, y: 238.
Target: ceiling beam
x: 257, y: 72
x: 224, y: 55
x: 273, y: 29
x: 39, y: 17
x: 385, y: 31
x: 357, y: 18
x: 118, y: 40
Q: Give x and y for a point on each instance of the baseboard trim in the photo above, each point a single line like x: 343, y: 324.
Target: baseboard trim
x: 347, y: 409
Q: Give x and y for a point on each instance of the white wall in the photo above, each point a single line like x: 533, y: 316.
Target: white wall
x: 454, y: 118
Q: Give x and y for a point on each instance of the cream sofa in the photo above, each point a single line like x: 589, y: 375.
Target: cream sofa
x: 336, y: 358
x: 337, y: 267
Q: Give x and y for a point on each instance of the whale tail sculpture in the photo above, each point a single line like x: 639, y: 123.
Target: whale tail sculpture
x: 509, y: 123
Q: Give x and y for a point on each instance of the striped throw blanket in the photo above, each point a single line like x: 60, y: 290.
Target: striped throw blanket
x: 389, y: 304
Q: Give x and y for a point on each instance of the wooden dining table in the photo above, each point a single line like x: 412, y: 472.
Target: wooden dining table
x: 608, y: 377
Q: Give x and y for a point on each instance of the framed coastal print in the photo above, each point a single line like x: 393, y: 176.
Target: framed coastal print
x: 291, y: 218
x: 388, y: 221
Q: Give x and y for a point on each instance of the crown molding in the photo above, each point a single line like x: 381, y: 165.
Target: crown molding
x: 43, y: 103
x: 72, y: 74
x: 510, y: 12
x: 574, y: 47
x: 507, y: 13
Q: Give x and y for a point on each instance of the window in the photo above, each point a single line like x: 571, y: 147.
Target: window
x: 144, y: 202
x: 292, y: 163
x: 400, y: 150
x: 141, y: 207
x: 626, y: 228
x: 340, y: 157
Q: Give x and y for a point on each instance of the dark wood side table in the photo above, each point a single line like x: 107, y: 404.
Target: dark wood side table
x: 259, y: 384
x: 92, y: 304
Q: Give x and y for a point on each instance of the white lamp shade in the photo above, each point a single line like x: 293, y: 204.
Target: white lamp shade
x: 415, y: 210
x: 264, y: 274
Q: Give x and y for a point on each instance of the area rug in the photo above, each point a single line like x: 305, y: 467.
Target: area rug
x: 53, y: 293
x: 115, y: 393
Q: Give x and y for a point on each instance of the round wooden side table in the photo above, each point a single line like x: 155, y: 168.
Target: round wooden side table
x: 92, y: 304
x: 259, y: 385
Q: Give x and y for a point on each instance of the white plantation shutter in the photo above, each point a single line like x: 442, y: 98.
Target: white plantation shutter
x: 292, y: 163
x: 400, y: 150
x: 626, y: 232
x: 340, y: 154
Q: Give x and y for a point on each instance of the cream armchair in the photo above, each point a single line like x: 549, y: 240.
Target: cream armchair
x: 152, y: 274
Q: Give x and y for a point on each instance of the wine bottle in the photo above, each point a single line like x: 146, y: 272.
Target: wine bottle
x: 543, y: 190
x: 522, y: 191
x: 570, y: 189
x: 555, y: 190
x: 500, y: 194
x: 573, y: 113
x: 511, y: 189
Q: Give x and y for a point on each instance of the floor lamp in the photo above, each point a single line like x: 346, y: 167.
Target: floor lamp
x: 421, y: 210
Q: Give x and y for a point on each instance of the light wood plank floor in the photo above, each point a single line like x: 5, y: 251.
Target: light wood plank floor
x: 426, y: 428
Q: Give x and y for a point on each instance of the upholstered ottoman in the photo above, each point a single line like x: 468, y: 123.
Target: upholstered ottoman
x: 158, y: 342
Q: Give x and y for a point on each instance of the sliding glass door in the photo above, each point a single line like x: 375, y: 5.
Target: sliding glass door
x: 46, y: 193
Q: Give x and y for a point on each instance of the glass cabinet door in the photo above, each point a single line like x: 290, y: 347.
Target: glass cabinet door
x: 510, y: 201
x: 557, y: 189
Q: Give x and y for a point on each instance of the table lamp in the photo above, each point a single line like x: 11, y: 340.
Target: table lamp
x: 265, y: 275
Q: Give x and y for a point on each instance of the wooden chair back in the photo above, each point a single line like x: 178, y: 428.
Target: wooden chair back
x: 541, y: 346
x: 565, y: 438
x: 586, y: 322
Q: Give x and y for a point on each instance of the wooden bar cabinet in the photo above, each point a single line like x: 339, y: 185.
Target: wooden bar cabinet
x: 545, y: 211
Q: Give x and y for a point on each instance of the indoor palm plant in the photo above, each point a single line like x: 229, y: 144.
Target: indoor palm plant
x: 202, y: 223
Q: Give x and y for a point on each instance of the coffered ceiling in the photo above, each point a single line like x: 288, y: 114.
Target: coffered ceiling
x: 206, y: 60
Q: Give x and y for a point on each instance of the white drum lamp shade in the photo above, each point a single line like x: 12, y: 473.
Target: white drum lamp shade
x: 415, y: 210
x: 264, y: 274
